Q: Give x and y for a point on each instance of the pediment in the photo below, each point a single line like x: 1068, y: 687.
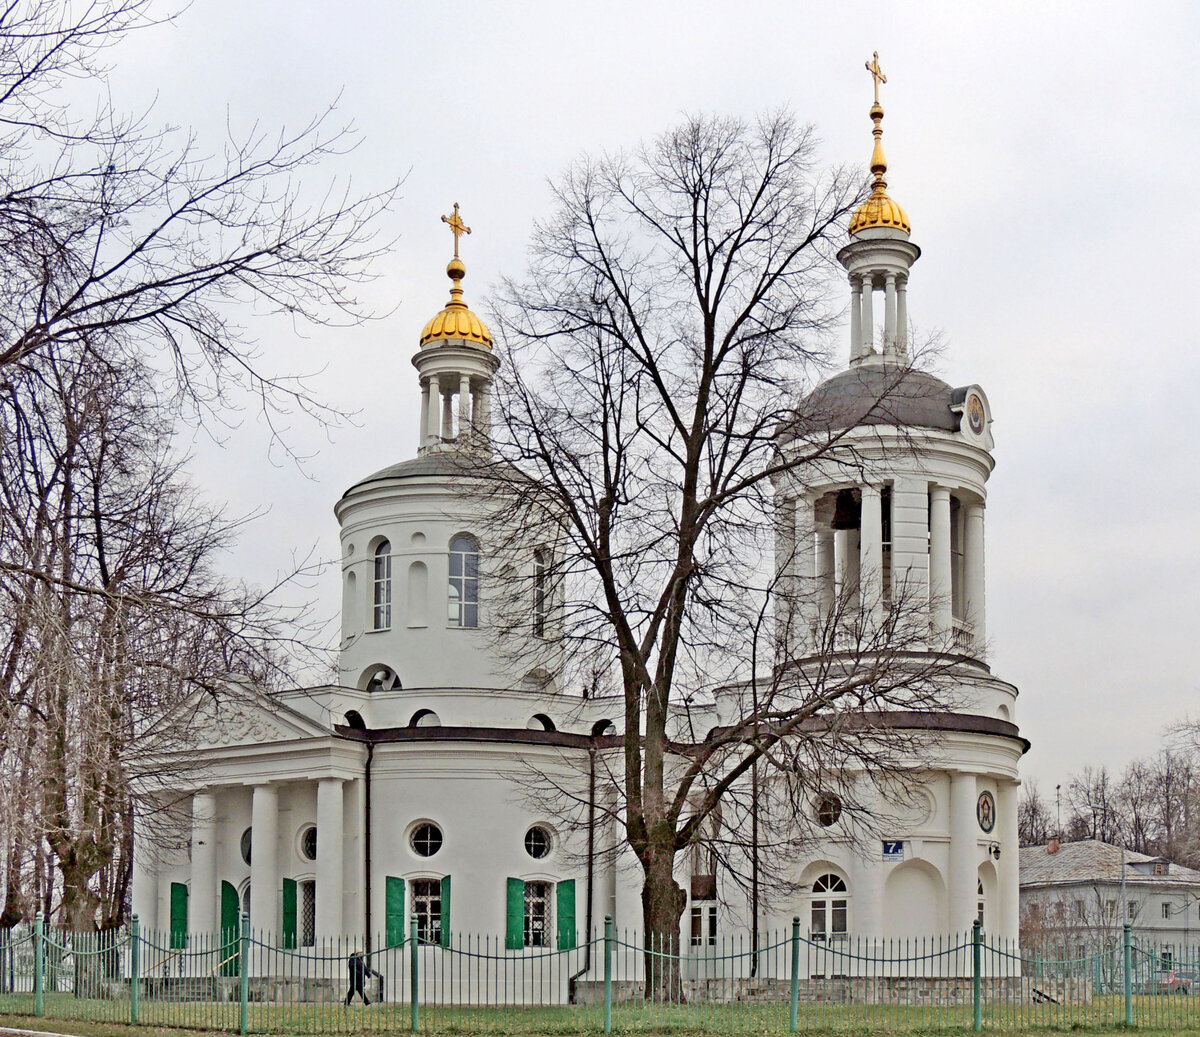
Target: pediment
x: 235, y: 720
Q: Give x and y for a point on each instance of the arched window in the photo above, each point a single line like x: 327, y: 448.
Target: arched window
x: 382, y: 619
x: 540, y: 722
x: 425, y: 718
x: 380, y: 678
x: 541, y: 566
x: 464, y: 582
x: 829, y: 915
x: 982, y: 902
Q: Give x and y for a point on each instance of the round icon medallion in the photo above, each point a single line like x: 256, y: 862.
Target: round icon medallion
x: 975, y: 414
x: 985, y: 811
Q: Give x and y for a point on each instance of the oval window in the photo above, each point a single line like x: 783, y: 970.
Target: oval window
x: 537, y: 842
x: 308, y: 843
x: 245, y: 845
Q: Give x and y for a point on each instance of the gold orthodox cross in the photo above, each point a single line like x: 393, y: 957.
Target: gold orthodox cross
x: 457, y: 226
x: 872, y: 67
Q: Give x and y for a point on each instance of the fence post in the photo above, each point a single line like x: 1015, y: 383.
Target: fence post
x: 608, y: 958
x: 977, y: 975
x: 244, y: 975
x: 795, y: 1016
x: 39, y: 1000
x: 135, y: 968
x: 1128, y: 974
x: 413, y: 971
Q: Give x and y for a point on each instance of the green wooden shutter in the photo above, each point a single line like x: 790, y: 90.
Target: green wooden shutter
x: 514, y: 932
x: 445, y: 932
x: 566, y: 915
x: 393, y: 911
x: 230, y: 928
x: 289, y: 913
x: 179, y: 914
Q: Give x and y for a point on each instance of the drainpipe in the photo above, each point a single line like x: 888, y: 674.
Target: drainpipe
x: 591, y: 863
x: 367, y: 841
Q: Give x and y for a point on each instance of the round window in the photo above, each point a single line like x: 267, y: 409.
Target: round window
x: 537, y: 842
x: 426, y: 840
x: 308, y: 843
x: 829, y: 809
x: 245, y: 846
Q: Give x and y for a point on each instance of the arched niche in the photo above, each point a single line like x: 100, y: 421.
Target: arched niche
x: 418, y: 595
x: 425, y: 718
x: 914, y: 901
x: 541, y: 722
x: 602, y: 728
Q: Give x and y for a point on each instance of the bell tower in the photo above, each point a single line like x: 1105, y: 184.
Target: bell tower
x: 878, y: 258
x: 455, y: 365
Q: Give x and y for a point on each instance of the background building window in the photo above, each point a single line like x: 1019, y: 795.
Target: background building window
x: 704, y: 923
x: 427, y: 906
x: 308, y: 912
x: 382, y: 617
x: 464, y: 583
x: 537, y: 914
x: 829, y: 914
x: 1166, y: 909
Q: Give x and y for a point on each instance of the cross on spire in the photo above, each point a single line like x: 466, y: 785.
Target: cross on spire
x: 872, y: 67
x: 456, y: 226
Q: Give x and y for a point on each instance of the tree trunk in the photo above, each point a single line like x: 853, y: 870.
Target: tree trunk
x: 663, y: 902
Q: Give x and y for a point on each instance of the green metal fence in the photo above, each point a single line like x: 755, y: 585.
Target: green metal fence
x: 236, y: 980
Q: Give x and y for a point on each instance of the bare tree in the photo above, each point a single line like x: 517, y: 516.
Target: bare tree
x: 1092, y: 797
x: 129, y: 256
x: 674, y: 313
x: 1035, y: 821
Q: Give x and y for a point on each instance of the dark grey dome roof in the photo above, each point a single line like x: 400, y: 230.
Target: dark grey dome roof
x: 878, y: 394
x: 440, y: 464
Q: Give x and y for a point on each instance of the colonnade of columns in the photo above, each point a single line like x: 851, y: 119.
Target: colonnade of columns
x: 849, y: 565
x: 438, y: 393
x: 266, y: 873
x: 895, y: 313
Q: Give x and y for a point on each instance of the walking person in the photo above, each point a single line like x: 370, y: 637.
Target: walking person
x: 359, y: 970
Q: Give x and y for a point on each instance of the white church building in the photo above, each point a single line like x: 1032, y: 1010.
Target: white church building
x: 400, y: 790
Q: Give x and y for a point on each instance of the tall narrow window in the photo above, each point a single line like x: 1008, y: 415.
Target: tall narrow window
x: 464, y: 583
x: 427, y: 906
x: 981, y: 905
x: 308, y: 913
x: 541, y: 566
x: 704, y: 923
x: 383, y: 586
x: 829, y: 908
x: 885, y: 502
x: 537, y: 914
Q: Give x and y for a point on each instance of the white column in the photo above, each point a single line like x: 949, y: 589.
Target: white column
x: 329, y: 858
x: 902, y: 316
x: 423, y: 432
x: 804, y: 582
x: 202, y: 893
x: 447, y: 414
x: 939, y: 559
x: 265, y: 885
x: 145, y: 871
x: 871, y: 553
x: 868, y: 320
x: 976, y: 610
x: 464, y: 406
x: 1007, y: 867
x: 855, y: 318
x: 483, y: 418
x: 841, y: 562
x: 964, y: 853
x: 433, y: 392
x: 889, y: 314
x: 825, y: 570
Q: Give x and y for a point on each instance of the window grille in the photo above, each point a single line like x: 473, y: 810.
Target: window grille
x: 427, y: 906
x: 308, y: 913
x: 463, y: 591
x: 537, y: 914
x: 382, y: 616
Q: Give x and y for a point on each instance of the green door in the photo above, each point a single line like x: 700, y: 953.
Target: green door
x: 289, y: 914
x: 514, y: 903
x: 393, y: 911
x: 179, y: 913
x: 231, y: 926
x: 566, y: 915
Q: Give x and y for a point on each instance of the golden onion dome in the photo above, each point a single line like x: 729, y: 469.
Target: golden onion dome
x: 457, y: 320
x: 879, y: 210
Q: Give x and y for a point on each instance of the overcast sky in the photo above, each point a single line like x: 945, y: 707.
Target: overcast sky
x: 1046, y: 154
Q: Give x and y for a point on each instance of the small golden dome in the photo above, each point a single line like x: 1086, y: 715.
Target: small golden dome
x: 879, y: 210
x: 456, y: 321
